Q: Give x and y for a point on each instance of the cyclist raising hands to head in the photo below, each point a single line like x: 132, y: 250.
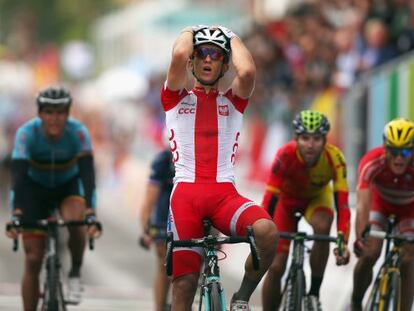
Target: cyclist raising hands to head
x: 386, y: 187
x: 52, y: 167
x: 204, y: 128
x: 299, y: 181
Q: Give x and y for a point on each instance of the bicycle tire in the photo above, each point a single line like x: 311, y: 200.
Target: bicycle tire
x: 298, y: 294
x: 284, y: 296
x: 215, y: 297
x: 51, y: 286
x: 61, y: 297
x: 293, y: 291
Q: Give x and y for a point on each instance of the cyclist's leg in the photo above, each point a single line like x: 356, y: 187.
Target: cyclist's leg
x: 158, y: 232
x: 363, y: 271
x: 73, y: 208
x: 185, y: 221
x: 232, y: 215
x: 285, y: 221
x: 407, y: 263
x: 407, y: 277
x: 183, y: 291
x: 319, y: 215
x: 34, y: 241
x: 34, y: 246
x: 272, y: 287
x: 372, y: 251
x: 162, y: 281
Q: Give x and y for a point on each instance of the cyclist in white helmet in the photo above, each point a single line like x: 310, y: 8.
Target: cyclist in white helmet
x: 204, y: 128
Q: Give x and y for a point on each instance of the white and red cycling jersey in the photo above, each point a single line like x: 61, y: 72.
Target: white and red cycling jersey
x: 204, y: 130
x: 374, y: 171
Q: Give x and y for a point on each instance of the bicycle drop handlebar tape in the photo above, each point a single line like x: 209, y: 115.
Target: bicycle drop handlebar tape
x: 168, y: 254
x: 9, y: 226
x: 253, y: 248
x: 340, y: 243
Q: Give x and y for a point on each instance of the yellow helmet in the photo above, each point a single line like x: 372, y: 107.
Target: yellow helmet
x: 399, y: 133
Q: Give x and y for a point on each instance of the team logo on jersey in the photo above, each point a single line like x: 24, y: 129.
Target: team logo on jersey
x: 223, y: 110
x: 186, y: 111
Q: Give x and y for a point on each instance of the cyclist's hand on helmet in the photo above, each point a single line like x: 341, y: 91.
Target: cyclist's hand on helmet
x: 194, y: 28
x: 359, y: 246
x: 11, y: 232
x: 94, y: 229
x: 227, y: 32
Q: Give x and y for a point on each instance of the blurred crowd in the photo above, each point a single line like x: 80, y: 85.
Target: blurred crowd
x: 312, y: 56
x: 307, y: 59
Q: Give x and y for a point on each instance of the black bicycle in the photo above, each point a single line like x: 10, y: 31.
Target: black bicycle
x: 385, y: 293
x: 294, y: 290
x: 52, y: 296
x: 212, y: 296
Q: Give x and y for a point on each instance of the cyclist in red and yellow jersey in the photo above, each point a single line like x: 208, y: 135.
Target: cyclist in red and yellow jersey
x: 300, y: 181
x: 386, y: 187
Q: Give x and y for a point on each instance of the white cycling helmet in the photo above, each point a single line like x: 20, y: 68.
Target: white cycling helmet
x: 213, y: 36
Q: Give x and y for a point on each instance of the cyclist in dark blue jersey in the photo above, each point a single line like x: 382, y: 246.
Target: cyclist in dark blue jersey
x: 154, y: 215
x: 52, y: 168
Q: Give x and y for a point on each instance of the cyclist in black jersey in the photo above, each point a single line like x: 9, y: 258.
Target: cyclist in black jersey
x: 52, y: 168
x: 154, y: 215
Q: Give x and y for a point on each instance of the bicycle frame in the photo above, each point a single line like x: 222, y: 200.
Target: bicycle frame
x: 386, y: 290
x: 294, y: 290
x: 210, y: 276
x: 53, y: 295
x: 212, y: 296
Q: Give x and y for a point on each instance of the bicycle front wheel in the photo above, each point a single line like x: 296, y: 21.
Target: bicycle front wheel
x: 298, y: 292
x: 53, y: 294
x: 294, y: 291
x: 51, y: 285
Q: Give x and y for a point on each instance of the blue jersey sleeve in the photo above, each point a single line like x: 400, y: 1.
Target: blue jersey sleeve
x: 21, y: 150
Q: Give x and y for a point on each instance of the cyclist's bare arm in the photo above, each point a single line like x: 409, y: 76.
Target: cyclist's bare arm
x: 243, y: 83
x: 152, y: 193
x: 182, y: 50
x: 362, y: 210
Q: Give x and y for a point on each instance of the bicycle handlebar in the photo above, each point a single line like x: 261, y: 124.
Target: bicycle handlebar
x: 47, y: 223
x: 383, y: 235
x: 210, y: 241
x: 307, y: 237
